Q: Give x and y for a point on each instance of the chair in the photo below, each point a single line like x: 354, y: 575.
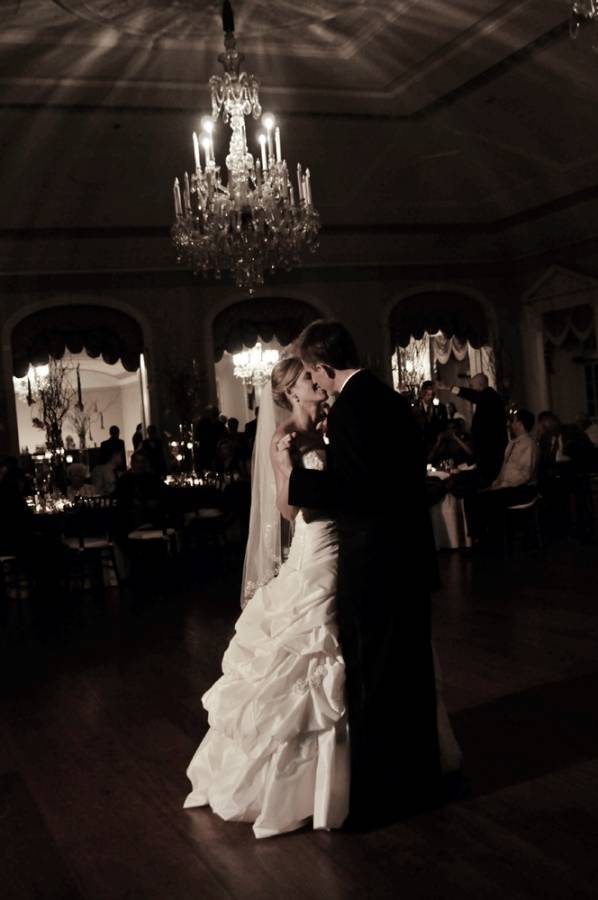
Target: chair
x: 523, y: 517
x: 150, y: 551
x: 15, y: 587
x: 90, y: 551
x: 208, y: 526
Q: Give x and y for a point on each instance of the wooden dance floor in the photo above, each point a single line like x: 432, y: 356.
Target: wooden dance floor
x: 100, y: 713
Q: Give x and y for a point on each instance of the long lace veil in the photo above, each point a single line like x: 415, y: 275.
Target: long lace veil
x: 263, y: 554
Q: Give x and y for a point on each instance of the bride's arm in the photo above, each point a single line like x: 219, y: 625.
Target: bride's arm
x: 280, y: 459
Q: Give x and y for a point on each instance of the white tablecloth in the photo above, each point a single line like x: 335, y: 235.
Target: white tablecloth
x: 449, y: 525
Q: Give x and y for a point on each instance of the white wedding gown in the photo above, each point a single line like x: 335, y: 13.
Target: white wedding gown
x: 277, y: 750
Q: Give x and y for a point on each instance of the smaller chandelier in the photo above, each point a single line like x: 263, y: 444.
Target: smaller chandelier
x: 250, y: 222
x: 255, y: 366
x: 583, y: 13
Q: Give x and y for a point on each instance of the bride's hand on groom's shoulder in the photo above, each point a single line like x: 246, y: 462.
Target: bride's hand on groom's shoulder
x: 282, y: 452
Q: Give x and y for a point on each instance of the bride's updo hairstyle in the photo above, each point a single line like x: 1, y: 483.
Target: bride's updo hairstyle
x: 284, y: 377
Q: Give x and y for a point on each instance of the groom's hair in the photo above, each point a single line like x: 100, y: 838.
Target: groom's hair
x: 328, y: 343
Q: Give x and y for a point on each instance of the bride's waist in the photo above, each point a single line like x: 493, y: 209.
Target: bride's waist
x: 310, y: 517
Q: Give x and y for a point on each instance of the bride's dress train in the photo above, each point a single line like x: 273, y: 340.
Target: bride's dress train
x: 277, y: 750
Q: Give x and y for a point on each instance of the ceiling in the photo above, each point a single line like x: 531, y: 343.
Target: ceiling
x: 470, y: 118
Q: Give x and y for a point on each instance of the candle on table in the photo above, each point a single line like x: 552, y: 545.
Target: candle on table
x: 277, y: 142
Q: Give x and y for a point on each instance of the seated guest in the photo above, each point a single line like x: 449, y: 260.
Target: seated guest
x: 112, y: 445
x: 453, y: 443
x: 77, y: 485
x: 520, y: 461
x: 141, y: 496
x: 15, y: 517
x: 515, y: 483
x: 104, y: 477
x: 153, y: 451
x: 550, y: 443
x: 430, y: 415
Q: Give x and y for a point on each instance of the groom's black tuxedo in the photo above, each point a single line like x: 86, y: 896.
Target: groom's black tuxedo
x: 375, y: 484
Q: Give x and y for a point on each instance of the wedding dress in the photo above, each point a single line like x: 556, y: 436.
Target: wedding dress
x: 277, y: 750
x: 276, y: 753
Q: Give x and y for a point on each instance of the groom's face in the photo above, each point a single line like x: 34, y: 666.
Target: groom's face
x: 321, y: 377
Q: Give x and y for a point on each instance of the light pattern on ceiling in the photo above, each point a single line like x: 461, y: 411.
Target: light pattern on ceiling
x: 328, y: 21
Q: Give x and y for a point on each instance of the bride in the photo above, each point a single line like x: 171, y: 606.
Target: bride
x: 277, y: 750
x: 276, y: 753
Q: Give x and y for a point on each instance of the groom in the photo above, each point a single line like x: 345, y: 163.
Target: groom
x: 374, y: 484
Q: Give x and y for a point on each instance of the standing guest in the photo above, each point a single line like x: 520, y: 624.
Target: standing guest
x: 138, y: 437
x: 488, y: 426
x: 430, y: 415
x: 250, y: 430
x: 239, y: 443
x: 153, y: 450
x: 114, y: 444
x: 104, y: 477
x: 208, y: 431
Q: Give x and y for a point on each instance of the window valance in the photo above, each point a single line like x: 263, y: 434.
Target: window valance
x: 244, y: 324
x: 99, y: 330
x: 455, y: 315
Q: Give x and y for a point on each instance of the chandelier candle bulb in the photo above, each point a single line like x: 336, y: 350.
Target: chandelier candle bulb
x: 300, y: 182
x: 308, y: 187
x: 262, y: 140
x: 277, y: 143
x: 268, y: 125
x: 187, y: 194
x: 178, y: 209
x: 196, y: 153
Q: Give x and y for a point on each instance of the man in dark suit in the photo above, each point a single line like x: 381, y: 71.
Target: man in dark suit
x: 488, y: 426
x: 113, y: 445
x: 430, y: 415
x: 375, y: 484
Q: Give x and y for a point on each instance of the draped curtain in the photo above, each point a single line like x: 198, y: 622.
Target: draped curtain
x: 99, y: 330
x: 443, y: 347
x: 574, y: 321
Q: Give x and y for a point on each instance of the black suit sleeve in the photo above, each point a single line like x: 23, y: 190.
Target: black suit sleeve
x: 469, y: 394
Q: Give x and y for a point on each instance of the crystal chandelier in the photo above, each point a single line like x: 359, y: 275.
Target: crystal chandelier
x: 584, y: 12
x: 253, y: 223
x: 255, y: 366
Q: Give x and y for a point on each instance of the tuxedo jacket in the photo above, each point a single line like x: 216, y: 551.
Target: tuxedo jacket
x: 488, y: 429
x: 375, y: 475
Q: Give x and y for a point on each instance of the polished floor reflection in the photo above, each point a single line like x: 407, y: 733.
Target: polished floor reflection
x: 101, y: 713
